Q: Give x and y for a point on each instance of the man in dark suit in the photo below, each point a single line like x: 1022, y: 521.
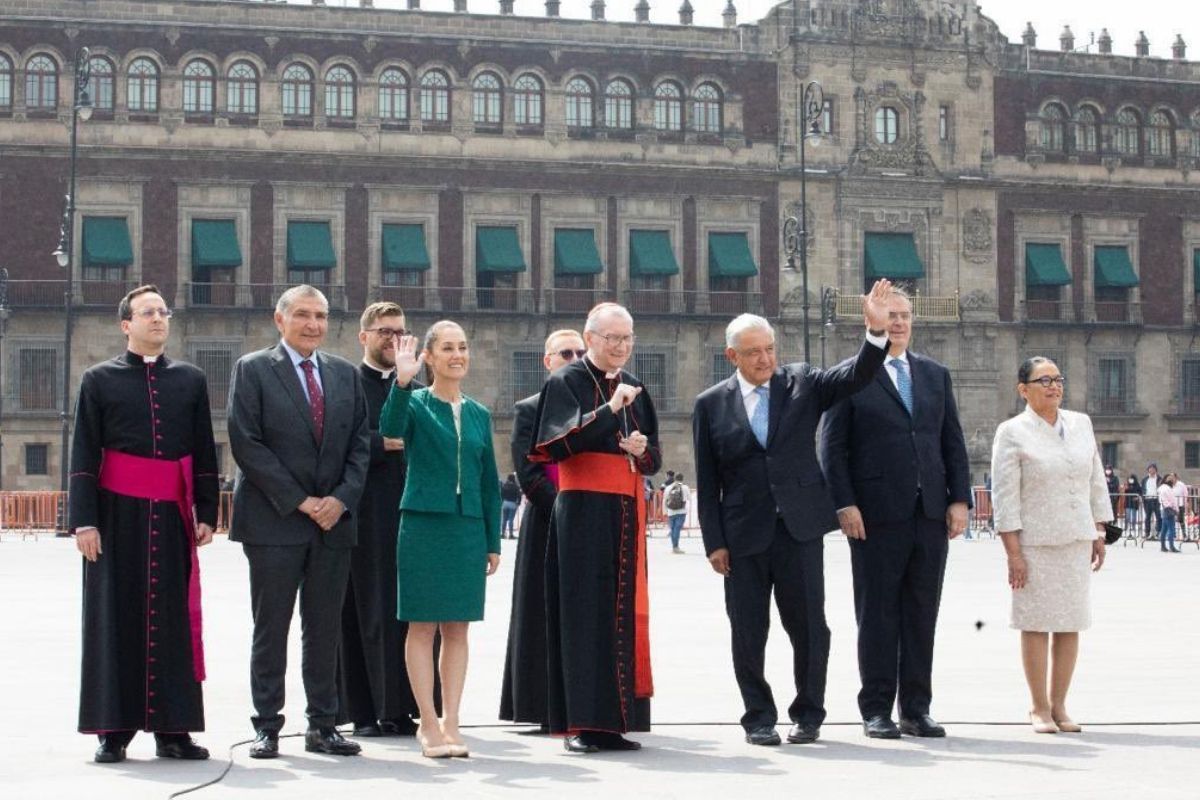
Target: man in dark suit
x: 299, y: 434
x: 895, y: 458
x: 764, y: 507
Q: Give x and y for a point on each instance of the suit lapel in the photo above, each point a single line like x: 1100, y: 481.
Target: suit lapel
x: 776, y: 397
x: 884, y: 378
x: 329, y: 388
x: 286, y: 372
x: 737, y: 406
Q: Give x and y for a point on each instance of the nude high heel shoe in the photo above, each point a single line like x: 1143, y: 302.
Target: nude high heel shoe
x: 1068, y: 725
x: 1042, y: 727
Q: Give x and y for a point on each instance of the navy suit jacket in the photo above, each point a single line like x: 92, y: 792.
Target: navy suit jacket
x: 742, y: 488
x: 875, y: 454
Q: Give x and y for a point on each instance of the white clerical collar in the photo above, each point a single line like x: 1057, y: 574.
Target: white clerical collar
x: 383, y: 373
x: 609, y: 375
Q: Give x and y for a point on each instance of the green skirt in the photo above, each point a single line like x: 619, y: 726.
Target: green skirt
x: 441, y: 567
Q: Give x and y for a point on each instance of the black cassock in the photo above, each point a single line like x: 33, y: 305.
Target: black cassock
x: 523, y: 693
x: 373, y: 679
x: 592, y: 563
x: 137, y: 666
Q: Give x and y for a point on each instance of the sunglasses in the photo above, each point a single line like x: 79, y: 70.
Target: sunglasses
x: 569, y: 355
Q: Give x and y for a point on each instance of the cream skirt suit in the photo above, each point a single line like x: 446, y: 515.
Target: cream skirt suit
x: 1050, y: 487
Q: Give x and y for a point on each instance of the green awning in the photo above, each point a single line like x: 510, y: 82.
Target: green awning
x: 404, y: 249
x: 498, y: 250
x: 575, y: 252
x: 650, y: 253
x: 729, y: 256
x: 106, y: 242
x: 892, y: 255
x: 1044, y: 265
x: 215, y: 244
x: 310, y: 246
x: 1113, y: 268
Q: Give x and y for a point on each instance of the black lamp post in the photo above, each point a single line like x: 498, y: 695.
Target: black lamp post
x: 81, y: 108
x: 795, y: 230
x: 3, y: 322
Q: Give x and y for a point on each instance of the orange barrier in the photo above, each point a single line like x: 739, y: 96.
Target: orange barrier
x: 32, y: 513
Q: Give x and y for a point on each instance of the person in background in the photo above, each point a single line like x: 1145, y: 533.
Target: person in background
x: 1170, y: 512
x: 677, y: 501
x: 1181, y: 505
x: 510, y: 501
x: 1150, y: 502
x: 1040, y: 457
x: 1133, y: 504
x: 1113, y: 482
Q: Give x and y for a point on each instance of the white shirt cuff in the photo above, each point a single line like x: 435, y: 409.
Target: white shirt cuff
x: 878, y: 341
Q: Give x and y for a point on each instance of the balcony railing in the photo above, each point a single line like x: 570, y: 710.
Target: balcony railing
x: 567, y: 301
x: 49, y: 293
x: 1114, y: 313
x: 928, y: 308
x: 250, y: 295
x: 1048, y: 311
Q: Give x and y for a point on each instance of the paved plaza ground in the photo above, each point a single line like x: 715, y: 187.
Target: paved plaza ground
x: 1135, y: 692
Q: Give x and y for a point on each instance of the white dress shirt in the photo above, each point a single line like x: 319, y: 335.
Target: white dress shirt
x: 750, y: 399
x: 296, y: 359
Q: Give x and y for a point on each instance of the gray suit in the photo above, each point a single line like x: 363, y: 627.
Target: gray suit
x: 280, y: 464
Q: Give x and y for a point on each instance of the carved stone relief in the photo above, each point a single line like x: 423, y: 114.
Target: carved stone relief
x: 977, y: 236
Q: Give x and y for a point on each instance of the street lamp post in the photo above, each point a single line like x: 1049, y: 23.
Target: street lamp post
x: 3, y: 322
x: 81, y: 109
x: 795, y: 230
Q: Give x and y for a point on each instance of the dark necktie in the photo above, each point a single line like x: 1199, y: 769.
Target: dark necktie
x: 316, y: 400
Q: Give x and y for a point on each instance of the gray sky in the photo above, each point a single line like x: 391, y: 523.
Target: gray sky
x: 1160, y: 19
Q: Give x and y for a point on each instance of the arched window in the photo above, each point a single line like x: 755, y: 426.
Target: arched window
x: 887, y: 125
x: 242, y: 89
x: 339, y: 93
x: 41, y: 83
x: 141, y: 93
x: 1087, y: 130
x: 297, y: 88
x: 487, y: 99
x: 6, y: 81
x: 528, y: 97
x: 435, y: 97
x: 706, y: 109
x: 618, y: 105
x: 1160, y: 135
x: 1127, y: 132
x: 199, y: 87
x: 101, y: 82
x: 668, y: 107
x: 393, y: 95
x: 1054, y: 128
x: 580, y: 106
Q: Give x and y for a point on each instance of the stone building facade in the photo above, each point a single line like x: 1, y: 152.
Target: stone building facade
x: 508, y: 172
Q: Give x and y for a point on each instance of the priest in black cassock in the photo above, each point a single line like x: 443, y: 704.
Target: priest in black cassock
x: 143, y: 497
x: 523, y: 693
x: 597, y: 423
x: 372, y: 678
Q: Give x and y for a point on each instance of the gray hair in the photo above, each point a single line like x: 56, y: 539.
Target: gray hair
x: 743, y: 323
x: 295, y: 293
x: 603, y: 311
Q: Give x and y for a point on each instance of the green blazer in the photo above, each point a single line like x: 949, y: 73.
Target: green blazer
x: 437, y: 465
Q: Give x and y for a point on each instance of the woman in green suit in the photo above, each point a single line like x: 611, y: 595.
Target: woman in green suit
x: 449, y: 521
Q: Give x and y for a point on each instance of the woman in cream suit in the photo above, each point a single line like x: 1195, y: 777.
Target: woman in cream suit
x: 1050, y: 503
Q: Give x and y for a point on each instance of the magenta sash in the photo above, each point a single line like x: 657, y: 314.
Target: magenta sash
x: 163, y: 481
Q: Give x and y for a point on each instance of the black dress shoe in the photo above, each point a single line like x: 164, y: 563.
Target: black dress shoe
x: 578, y: 744
x: 369, y: 730
x: 111, y: 750
x: 924, y: 726
x: 880, y: 727
x: 804, y: 733
x: 178, y: 746
x: 328, y: 740
x: 266, y: 745
x: 614, y: 741
x: 764, y: 735
x: 401, y: 726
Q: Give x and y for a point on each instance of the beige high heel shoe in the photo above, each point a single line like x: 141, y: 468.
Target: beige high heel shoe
x: 433, y: 751
x: 1068, y: 725
x: 1042, y: 727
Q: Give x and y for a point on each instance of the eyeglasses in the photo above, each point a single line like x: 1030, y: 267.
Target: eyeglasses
x: 569, y: 354
x: 151, y: 313
x: 1046, y: 381
x: 613, y: 339
x: 388, y: 333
